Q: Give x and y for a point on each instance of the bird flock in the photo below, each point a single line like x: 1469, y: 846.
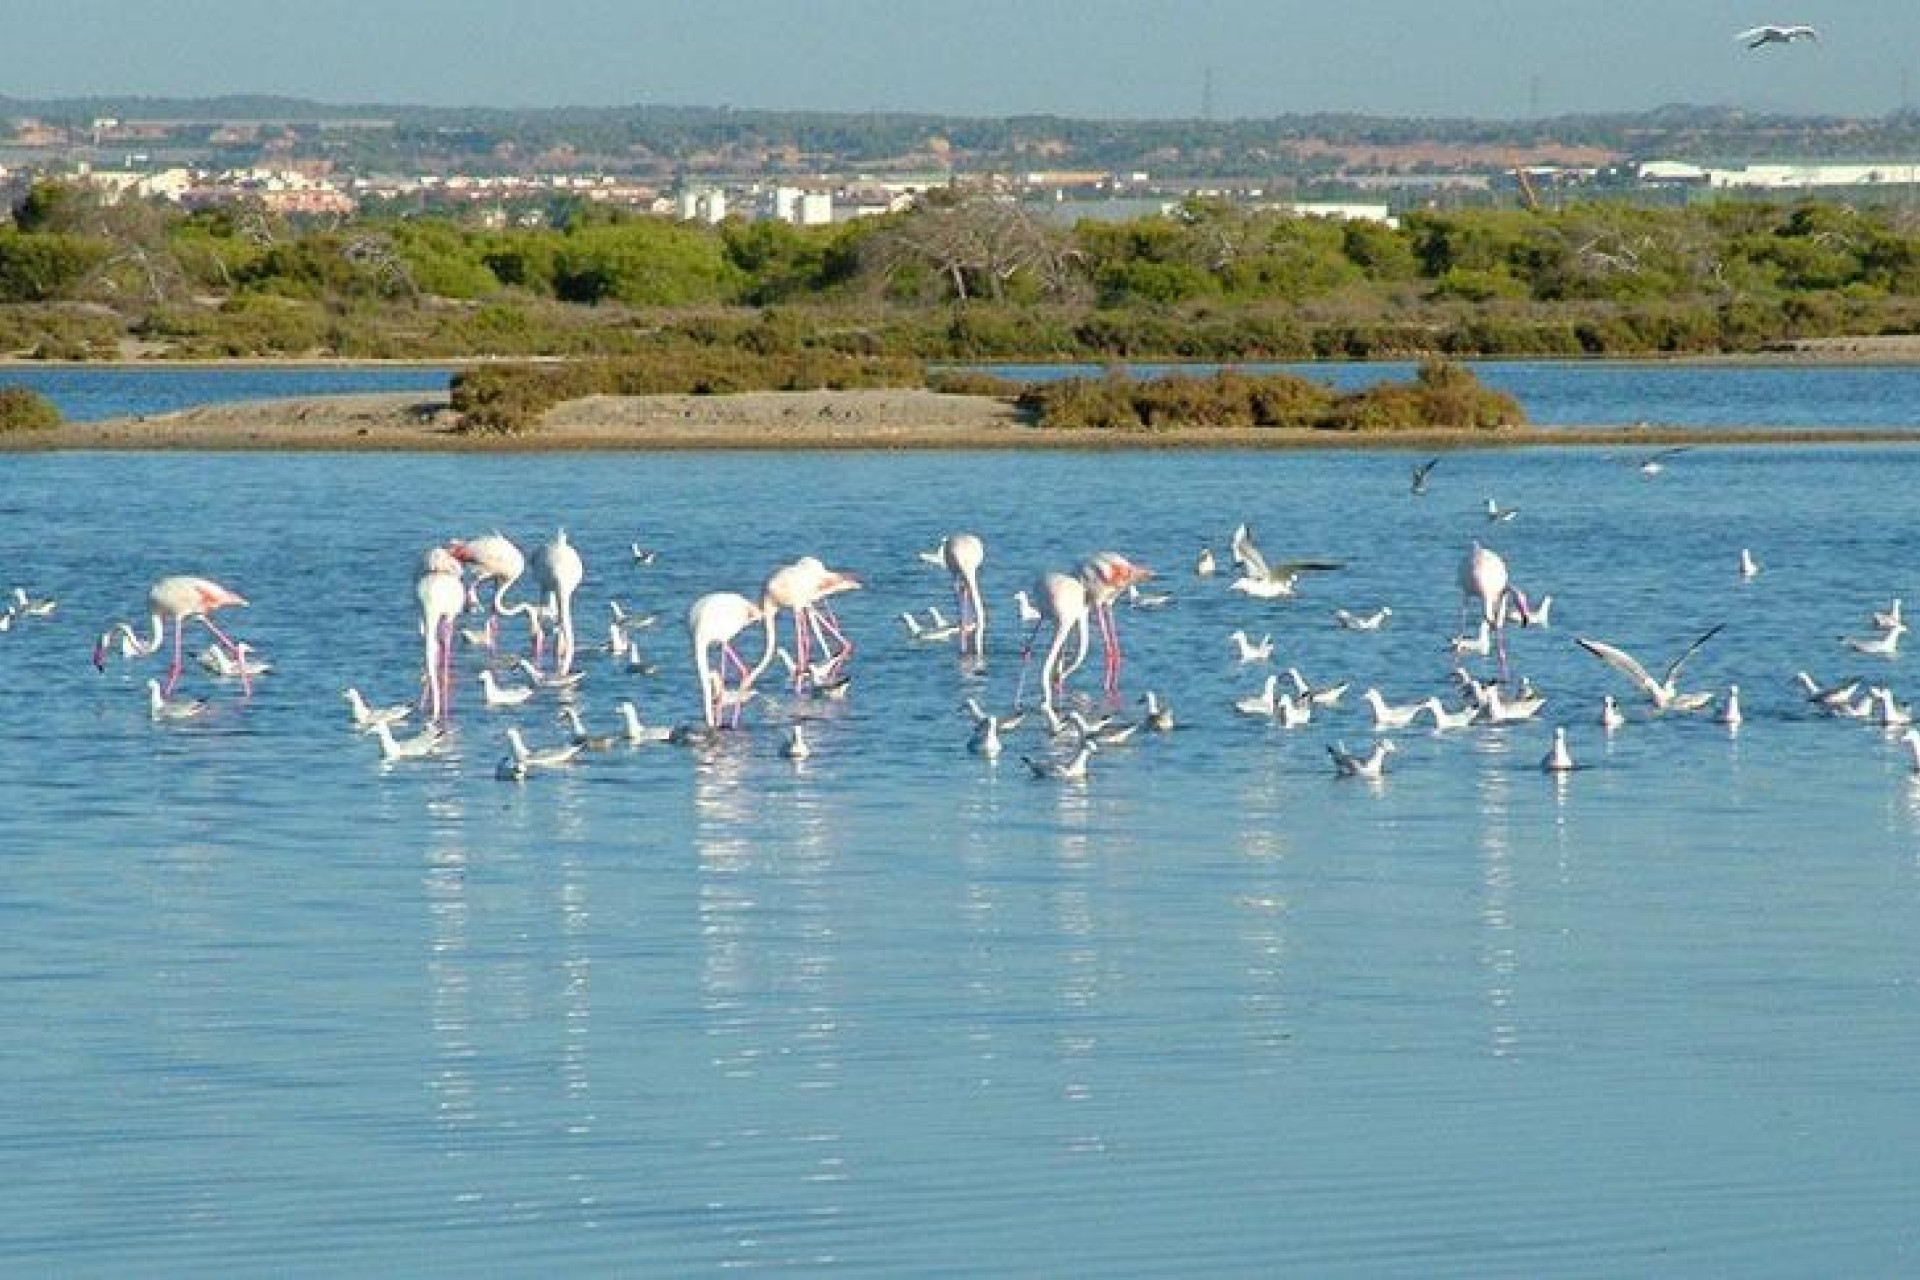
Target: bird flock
x: 470, y: 608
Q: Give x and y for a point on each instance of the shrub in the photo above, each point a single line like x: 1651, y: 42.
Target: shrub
x: 22, y: 409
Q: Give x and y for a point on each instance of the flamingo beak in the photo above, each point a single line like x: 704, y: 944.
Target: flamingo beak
x: 100, y: 654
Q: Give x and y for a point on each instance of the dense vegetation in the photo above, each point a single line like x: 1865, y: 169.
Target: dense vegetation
x: 963, y: 277
x: 23, y: 409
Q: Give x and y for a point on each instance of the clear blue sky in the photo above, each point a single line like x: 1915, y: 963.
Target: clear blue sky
x: 980, y: 57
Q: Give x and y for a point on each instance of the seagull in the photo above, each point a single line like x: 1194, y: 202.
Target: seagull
x: 1533, y: 613
x: 413, y: 748
x: 161, y: 707
x: 215, y: 659
x: 1029, y: 616
x: 1611, y: 717
x: 1328, y: 696
x: 1159, y: 714
x: 1006, y: 724
x: 366, y: 717
x: 1263, y: 581
x: 1070, y: 770
x: 1204, y: 567
x: 1478, y: 646
x: 1886, y: 712
x: 1497, y: 514
x: 1445, y: 720
x: 1889, y: 619
x: 986, y: 739
x: 1754, y: 37
x: 1147, y: 600
x: 1362, y: 622
x: 1249, y: 651
x: 1386, y: 717
x: 1421, y: 470
x: 1372, y: 766
x: 1291, y: 714
x: 638, y: 733
x: 795, y: 747
x: 1654, y: 463
x: 1862, y: 710
x: 1500, y: 710
x: 27, y: 606
x: 6, y: 624
x: 1832, y: 697
x: 1665, y: 692
x: 493, y: 694
x: 1913, y: 748
x: 1730, y: 709
x: 584, y: 740
x: 1479, y: 693
x: 1749, y: 567
x: 631, y: 621
x: 543, y: 681
x: 1105, y: 733
x: 819, y: 675
x: 1558, y: 759
x: 546, y: 758
x: 936, y: 555
x: 642, y: 556
x: 1259, y: 704
x: 1884, y: 645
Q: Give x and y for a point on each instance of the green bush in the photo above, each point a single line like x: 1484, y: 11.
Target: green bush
x: 22, y: 409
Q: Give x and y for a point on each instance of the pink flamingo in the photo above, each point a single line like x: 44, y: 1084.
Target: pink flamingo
x: 964, y: 553
x: 441, y: 595
x: 497, y: 560
x: 1063, y: 602
x: 713, y: 622
x: 1107, y: 575
x: 559, y: 570
x: 1483, y: 576
x: 178, y: 600
x: 803, y: 587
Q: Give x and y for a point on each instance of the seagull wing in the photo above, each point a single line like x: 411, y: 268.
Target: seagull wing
x: 1670, y: 453
x: 1248, y: 556
x: 1620, y: 660
x: 1290, y: 571
x: 1673, y: 672
x: 1754, y: 36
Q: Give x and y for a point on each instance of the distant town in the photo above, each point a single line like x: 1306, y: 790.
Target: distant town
x: 707, y: 165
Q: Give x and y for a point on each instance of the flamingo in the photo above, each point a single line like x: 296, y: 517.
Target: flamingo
x: 713, y: 622
x: 1107, y: 575
x: 558, y: 569
x: 801, y: 587
x: 441, y: 596
x: 963, y: 554
x: 1483, y: 576
x: 497, y: 560
x: 1064, y: 604
x: 176, y: 600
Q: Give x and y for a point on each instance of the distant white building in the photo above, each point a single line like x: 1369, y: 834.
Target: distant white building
x: 1782, y: 177
x: 702, y: 204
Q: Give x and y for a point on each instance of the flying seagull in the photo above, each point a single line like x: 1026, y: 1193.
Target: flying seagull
x: 1665, y: 692
x: 1421, y: 470
x: 1754, y: 37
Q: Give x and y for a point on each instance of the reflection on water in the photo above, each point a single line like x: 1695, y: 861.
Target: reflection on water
x: 1499, y: 948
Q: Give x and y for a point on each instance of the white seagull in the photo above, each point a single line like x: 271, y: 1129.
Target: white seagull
x: 1754, y: 37
x: 1362, y: 622
x: 1326, y: 696
x: 1664, y: 692
x: 986, y: 738
x: 1072, y: 769
x: 242, y: 662
x: 1611, y: 717
x: 1913, y: 748
x: 1372, y: 766
x: 365, y: 717
x: 1884, y: 645
x: 1204, y: 567
x: 494, y: 694
x: 1497, y: 514
x: 1558, y: 759
x: 27, y: 606
x: 1385, y: 716
x: 1289, y: 714
x: 577, y: 731
x: 1259, y: 704
x: 1159, y: 714
x: 1749, y: 567
x: 1831, y: 697
x: 1730, y: 714
x: 1886, y: 712
x: 1478, y: 646
x: 546, y: 758
x: 1250, y: 652
x: 1445, y: 720
x: 416, y: 747
x: 1263, y: 581
x: 637, y: 732
x: 1888, y: 619
x: 795, y: 747
x: 161, y: 707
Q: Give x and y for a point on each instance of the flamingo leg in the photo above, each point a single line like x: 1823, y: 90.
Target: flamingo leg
x: 728, y: 654
x: 173, y: 674
x: 824, y: 617
x: 802, y: 653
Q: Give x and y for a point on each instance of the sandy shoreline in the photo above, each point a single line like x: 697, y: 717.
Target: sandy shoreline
x: 866, y: 419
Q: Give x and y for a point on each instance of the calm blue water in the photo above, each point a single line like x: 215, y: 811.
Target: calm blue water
x: 89, y: 394
x: 274, y: 1006
x: 1599, y: 393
